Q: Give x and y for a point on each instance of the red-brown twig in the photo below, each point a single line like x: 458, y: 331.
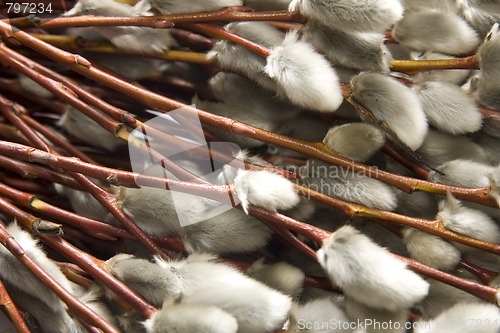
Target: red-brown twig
x: 312, y: 149
x: 10, y: 309
x: 73, y: 303
x: 92, y: 227
x: 93, y: 266
x: 229, y: 14
x: 486, y: 293
x: 218, y: 192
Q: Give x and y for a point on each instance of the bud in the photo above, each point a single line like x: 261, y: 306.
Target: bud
x: 436, y: 31
x: 265, y: 189
x: 393, y: 103
x: 431, y: 250
x: 148, y: 279
x: 303, y: 75
x: 13, y: 272
x: 192, y: 6
x: 236, y: 58
x: 349, y: 186
x: 281, y: 276
x: 359, y: 267
x: 357, y: 141
x: 351, y: 15
x: 190, y: 318
x: 467, y: 221
x: 463, y: 173
x: 458, y: 318
x: 318, y: 311
x: 256, y: 307
x: 439, y: 148
x: 357, y: 50
x: 134, y: 39
x: 448, y: 108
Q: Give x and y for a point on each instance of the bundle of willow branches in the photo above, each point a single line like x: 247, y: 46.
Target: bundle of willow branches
x: 250, y: 166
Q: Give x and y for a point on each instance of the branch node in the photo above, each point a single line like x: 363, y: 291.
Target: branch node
x: 48, y: 228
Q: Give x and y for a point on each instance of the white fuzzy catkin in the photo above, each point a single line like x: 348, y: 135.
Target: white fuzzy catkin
x: 359, y: 267
x: 394, y: 103
x: 249, y: 97
x: 357, y: 141
x: 265, y: 189
x: 136, y: 39
x: 358, y: 50
x: 436, y: 31
x: 156, y: 213
x: 488, y: 89
x: 230, y: 232
x: 462, y: 172
x: 192, y: 6
x: 481, y: 19
x: 30, y: 86
x: 191, y: 319
x: 148, y: 279
x: 281, y: 276
x: 487, y: 53
x: 131, y: 67
x: 256, y: 307
x: 303, y: 75
x: 353, y: 187
x: 154, y: 210
x: 448, y: 108
x: 439, y: 148
x: 236, y: 58
x: 431, y: 250
x: 482, y: 316
x: 86, y: 130
x: 305, y: 318
x: 442, y: 297
x: 467, y: 221
x: 351, y: 15
x: 15, y: 273
x: 441, y: 5
x: 359, y: 312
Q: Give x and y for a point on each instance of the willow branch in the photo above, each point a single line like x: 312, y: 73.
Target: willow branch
x: 229, y: 14
x: 73, y: 303
x: 312, y: 149
x: 11, y: 310
x: 92, y: 227
x: 486, y: 293
x: 106, y: 199
x: 414, y: 66
x: 93, y: 266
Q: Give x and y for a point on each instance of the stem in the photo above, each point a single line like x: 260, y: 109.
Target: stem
x: 92, y: 227
x: 57, y: 139
x: 93, y: 266
x: 434, y: 227
x: 106, y: 199
x: 31, y: 171
x: 79, y: 43
x: 217, y: 32
x: 111, y: 176
x: 109, y: 201
x: 486, y: 293
x: 229, y: 14
x: 482, y: 273
x: 312, y: 149
x: 11, y: 310
x: 73, y: 303
x: 414, y: 66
